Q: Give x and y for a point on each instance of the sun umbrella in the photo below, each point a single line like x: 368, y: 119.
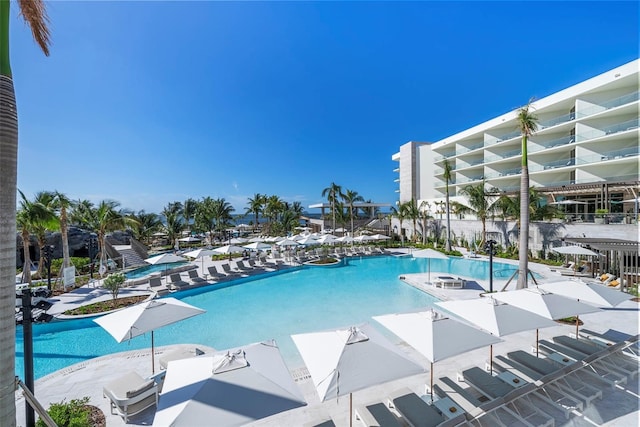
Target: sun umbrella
x: 257, y: 246
x: 345, y: 239
x: 343, y: 361
x: 435, y: 336
x: 544, y: 303
x: 592, y: 293
x: 362, y: 238
x: 287, y: 242
x: 189, y: 239
x: 308, y: 241
x: 141, y: 318
x: 230, y: 388
x: 380, y: 237
x: 200, y: 253
x: 167, y: 258
x: 229, y: 249
x: 497, y: 318
x: 238, y: 241
x: 429, y: 253
x: 327, y: 239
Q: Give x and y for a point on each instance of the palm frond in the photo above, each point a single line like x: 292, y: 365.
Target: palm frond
x: 35, y: 15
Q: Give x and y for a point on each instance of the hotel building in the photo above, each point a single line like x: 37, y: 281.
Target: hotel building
x: 584, y: 150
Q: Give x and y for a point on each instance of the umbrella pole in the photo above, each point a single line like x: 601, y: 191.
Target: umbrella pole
x: 431, y: 387
x: 537, y: 331
x: 153, y: 367
x: 350, y: 409
x: 491, y: 359
x: 577, y: 325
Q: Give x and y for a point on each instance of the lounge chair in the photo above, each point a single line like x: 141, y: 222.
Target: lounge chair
x: 448, y: 282
x: 541, y: 369
x: 195, y: 278
x: 176, y: 283
x: 179, y: 354
x: 214, y: 273
x: 376, y: 415
x: 616, y: 360
x: 567, y: 356
x: 610, y: 338
x: 242, y: 268
x: 227, y: 270
x: 418, y: 413
x: 130, y: 395
x: 254, y: 266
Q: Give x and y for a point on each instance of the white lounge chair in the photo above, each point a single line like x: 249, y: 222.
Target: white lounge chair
x: 179, y: 354
x: 448, y: 282
x: 130, y: 395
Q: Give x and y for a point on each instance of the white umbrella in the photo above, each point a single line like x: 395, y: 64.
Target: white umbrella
x: 189, y: 239
x: 200, y: 253
x: 230, y: 388
x: 380, y: 237
x: 145, y: 317
x: 238, y: 241
x: 257, y: 239
x: 347, y: 360
x: 435, y: 336
x: 167, y: 258
x: 362, y: 238
x: 308, y: 241
x: 592, y: 293
x: 257, y: 246
x: 497, y: 318
x: 574, y: 250
x: 287, y: 242
x: 327, y: 239
x: 429, y: 253
x: 229, y: 249
x: 544, y: 303
x: 345, y: 239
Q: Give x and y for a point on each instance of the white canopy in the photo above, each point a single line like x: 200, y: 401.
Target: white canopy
x: 346, y: 360
x: 165, y: 259
x: 189, y: 239
x: 200, y: 253
x: 145, y: 317
x: 230, y: 388
x: 592, y: 293
x: 380, y: 237
x: 229, y: 249
x: 429, y: 253
x: 544, y: 303
x: 287, y: 242
x: 345, y: 239
x: 257, y: 246
x: 574, y: 250
x: 308, y: 241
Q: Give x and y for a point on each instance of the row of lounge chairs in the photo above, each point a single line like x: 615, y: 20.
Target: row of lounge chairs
x: 519, y: 390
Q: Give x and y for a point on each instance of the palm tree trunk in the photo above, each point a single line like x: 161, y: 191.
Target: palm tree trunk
x: 523, y: 251
x: 64, y: 233
x: 447, y: 246
x: 26, y: 268
x: 8, y: 187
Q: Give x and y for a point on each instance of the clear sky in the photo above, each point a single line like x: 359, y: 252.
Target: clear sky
x: 148, y: 103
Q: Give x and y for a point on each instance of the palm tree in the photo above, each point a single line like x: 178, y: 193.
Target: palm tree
x: 189, y: 211
x: 350, y: 197
x: 332, y: 193
x: 62, y: 203
x: 479, y: 204
x: 255, y: 206
x: 412, y: 212
x: 447, y: 178
x: 528, y: 124
x: 174, y: 221
x: 34, y: 13
x: 222, y: 211
x: 47, y: 222
x: 147, y: 224
x: 401, y: 214
x: 424, y: 209
x: 29, y: 218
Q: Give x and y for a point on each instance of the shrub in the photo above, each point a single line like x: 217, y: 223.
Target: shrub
x: 75, y: 413
x: 114, y: 282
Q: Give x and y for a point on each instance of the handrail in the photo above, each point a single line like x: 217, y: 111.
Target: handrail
x: 33, y: 402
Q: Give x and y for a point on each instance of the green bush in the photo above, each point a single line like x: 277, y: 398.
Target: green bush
x: 75, y: 413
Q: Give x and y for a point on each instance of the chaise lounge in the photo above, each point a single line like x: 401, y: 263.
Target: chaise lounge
x: 448, y: 282
x: 130, y: 395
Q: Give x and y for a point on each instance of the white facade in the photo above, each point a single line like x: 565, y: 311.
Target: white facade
x: 586, y: 147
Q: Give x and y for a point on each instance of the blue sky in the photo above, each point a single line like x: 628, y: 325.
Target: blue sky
x: 148, y: 102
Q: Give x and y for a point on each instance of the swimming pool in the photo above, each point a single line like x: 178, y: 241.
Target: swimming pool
x: 148, y: 269
x: 305, y: 300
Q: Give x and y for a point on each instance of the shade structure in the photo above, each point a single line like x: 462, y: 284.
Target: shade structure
x: 345, y: 239
x: 201, y: 254
x: 362, y: 238
x: 436, y: 336
x: 592, y: 293
x: 429, y: 253
x: 380, y: 237
x: 229, y: 249
x: 165, y: 259
x: 287, y: 242
x: 145, y: 317
x: 546, y: 304
x: 257, y: 246
x: 498, y: 318
x: 343, y: 361
x: 238, y: 241
x: 189, y: 239
x: 327, y: 239
x: 230, y: 388
x: 568, y: 202
x: 308, y: 241
x: 574, y: 250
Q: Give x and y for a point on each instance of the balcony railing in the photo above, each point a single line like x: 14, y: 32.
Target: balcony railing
x: 607, y: 105
x: 463, y: 150
x: 609, y: 155
x: 505, y: 155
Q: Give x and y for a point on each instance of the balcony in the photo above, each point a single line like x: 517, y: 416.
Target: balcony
x: 608, y: 105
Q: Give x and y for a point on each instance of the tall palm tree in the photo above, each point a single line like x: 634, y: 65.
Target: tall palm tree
x: 528, y: 124
x: 412, y: 212
x: 34, y: 13
x: 401, y: 214
x: 189, y: 211
x: 350, y: 197
x: 425, y: 214
x: 147, y: 224
x: 479, y: 204
x: 47, y: 222
x: 333, y: 193
x: 222, y: 211
x: 256, y: 206
x: 62, y: 204
x: 30, y: 218
x: 447, y: 178
x: 174, y: 221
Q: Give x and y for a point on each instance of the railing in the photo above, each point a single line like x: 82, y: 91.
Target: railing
x: 609, y: 155
x: 553, y: 165
x: 565, y: 140
x: 506, y: 172
x: 607, y: 105
x: 471, y: 148
x: 556, y: 120
x: 505, y: 155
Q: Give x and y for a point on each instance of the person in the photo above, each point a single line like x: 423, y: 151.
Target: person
x: 245, y: 254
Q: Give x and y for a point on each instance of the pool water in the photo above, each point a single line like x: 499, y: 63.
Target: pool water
x: 305, y: 300
x: 146, y: 270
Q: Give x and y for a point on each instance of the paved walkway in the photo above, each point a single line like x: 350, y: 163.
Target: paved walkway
x: 619, y: 407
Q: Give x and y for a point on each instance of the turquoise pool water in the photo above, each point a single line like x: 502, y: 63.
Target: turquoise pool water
x: 143, y: 271
x: 306, y: 300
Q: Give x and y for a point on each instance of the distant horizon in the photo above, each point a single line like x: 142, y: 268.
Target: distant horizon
x: 282, y: 98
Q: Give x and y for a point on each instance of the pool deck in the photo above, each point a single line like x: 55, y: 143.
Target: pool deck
x: 619, y: 406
